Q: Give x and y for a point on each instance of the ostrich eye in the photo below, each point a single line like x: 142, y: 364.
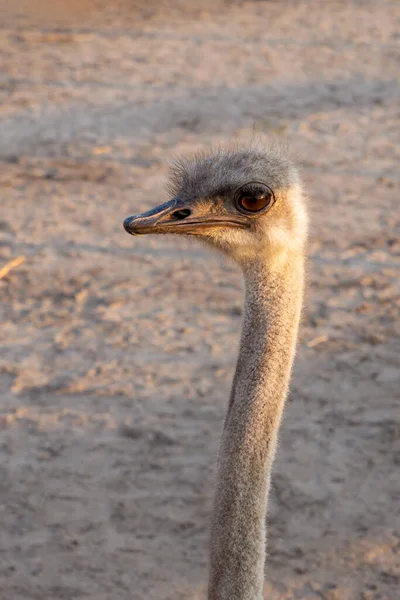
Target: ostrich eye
x: 253, y: 201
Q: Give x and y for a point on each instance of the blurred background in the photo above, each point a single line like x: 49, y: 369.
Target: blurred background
x: 116, y: 354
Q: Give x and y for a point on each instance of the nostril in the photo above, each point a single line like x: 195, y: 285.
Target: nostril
x: 181, y: 214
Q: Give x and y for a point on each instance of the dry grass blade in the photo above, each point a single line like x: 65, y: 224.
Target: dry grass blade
x: 12, y: 264
x: 318, y: 340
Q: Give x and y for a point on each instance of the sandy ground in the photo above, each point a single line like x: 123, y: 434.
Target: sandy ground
x: 117, y: 355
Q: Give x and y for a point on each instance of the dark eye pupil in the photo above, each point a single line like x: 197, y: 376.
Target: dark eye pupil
x: 254, y: 203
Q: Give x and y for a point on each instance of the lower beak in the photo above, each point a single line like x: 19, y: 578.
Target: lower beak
x: 176, y: 216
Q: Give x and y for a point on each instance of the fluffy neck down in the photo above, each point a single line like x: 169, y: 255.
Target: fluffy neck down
x: 273, y: 300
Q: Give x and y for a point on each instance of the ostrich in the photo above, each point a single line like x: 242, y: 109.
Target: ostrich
x: 248, y: 203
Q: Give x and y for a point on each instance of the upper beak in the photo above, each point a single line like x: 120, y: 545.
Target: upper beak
x: 151, y: 220
x: 176, y: 216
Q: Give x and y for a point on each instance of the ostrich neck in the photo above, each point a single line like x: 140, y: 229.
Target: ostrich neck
x: 273, y: 301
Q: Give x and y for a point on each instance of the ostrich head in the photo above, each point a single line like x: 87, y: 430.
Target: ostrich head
x: 245, y: 202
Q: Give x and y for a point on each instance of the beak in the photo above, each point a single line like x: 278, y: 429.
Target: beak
x: 178, y: 216
x: 152, y: 220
